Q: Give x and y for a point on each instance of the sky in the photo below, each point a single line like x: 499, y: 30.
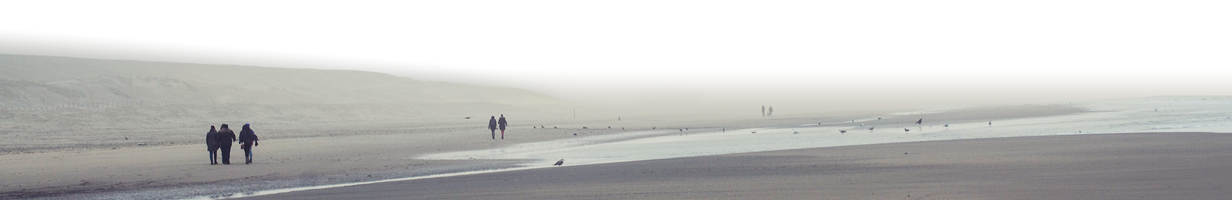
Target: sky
x: 709, y: 56
x: 377, y: 50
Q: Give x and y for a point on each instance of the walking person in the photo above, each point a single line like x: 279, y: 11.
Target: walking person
x: 492, y: 127
x: 502, y: 125
x: 211, y: 143
x: 225, y: 138
x: 248, y: 139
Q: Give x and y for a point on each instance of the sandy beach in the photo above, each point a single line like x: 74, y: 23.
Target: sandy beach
x: 369, y: 152
x: 1102, y: 166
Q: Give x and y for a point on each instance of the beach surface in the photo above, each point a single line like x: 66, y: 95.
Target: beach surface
x: 1097, y: 166
x: 328, y: 157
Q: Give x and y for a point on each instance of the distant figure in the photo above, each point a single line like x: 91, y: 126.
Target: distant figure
x: 248, y: 139
x: 763, y: 110
x: 609, y: 127
x: 560, y: 162
x: 842, y: 131
x: 947, y: 126
x: 617, y: 118
x: 771, y: 113
x: 686, y: 129
x: 653, y: 128
x: 502, y: 124
x: 870, y: 129
x: 681, y: 130
x: 211, y: 144
x: 492, y: 126
x: 878, y: 118
x: 725, y: 130
x: 989, y: 123
x: 921, y: 121
x: 541, y: 126
x: 555, y: 127
x: 225, y: 138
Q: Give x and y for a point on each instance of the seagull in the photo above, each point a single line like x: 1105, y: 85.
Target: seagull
x: 793, y: 131
x: 560, y: 162
x: 989, y: 123
x: 842, y: 131
x: 906, y: 130
x: 754, y: 131
x: 555, y: 127
x: 871, y: 128
x: 921, y: 121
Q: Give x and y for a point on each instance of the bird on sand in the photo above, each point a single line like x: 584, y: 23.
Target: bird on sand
x: 842, y: 131
x: 560, y: 162
x: 921, y: 121
x: 793, y: 131
x: 871, y: 128
x: 906, y: 130
x: 754, y: 131
x: 989, y: 123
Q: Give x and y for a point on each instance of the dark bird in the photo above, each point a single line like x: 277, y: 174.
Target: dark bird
x: 989, y: 123
x: 754, y: 131
x: 842, y: 131
x: 906, y: 130
x: 681, y: 130
x: 560, y: 162
x: 125, y: 138
x: 920, y: 121
x: 609, y: 127
x: 468, y: 117
x: 555, y: 127
x: 871, y: 128
x: 653, y: 127
x: 574, y: 134
x: 878, y: 118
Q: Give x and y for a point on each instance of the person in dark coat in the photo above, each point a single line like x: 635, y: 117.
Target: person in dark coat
x: 247, y: 140
x: 502, y: 124
x: 225, y: 138
x: 211, y: 143
x: 492, y: 127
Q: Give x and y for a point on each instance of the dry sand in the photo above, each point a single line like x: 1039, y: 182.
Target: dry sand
x: 1103, y: 166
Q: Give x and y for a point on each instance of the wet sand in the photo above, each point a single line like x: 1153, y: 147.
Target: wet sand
x: 1102, y: 166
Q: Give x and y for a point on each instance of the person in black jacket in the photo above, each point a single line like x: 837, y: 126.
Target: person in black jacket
x: 211, y: 143
x: 502, y: 124
x: 492, y: 126
x: 247, y: 140
x: 225, y: 137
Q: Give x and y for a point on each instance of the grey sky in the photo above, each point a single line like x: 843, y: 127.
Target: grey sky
x: 377, y: 50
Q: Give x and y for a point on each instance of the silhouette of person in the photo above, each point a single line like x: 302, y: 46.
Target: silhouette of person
x: 248, y: 139
x: 492, y: 126
x: 502, y: 123
x: 211, y: 143
x: 225, y: 138
x: 771, y: 113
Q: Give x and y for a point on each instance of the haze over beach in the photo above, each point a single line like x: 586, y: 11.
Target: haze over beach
x: 618, y: 100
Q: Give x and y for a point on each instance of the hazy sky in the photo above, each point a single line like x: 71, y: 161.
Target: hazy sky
x: 818, y: 69
x: 684, y: 55
x: 327, y: 48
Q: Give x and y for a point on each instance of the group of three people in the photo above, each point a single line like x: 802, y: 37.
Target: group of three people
x: 221, y: 139
x: 493, y: 123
